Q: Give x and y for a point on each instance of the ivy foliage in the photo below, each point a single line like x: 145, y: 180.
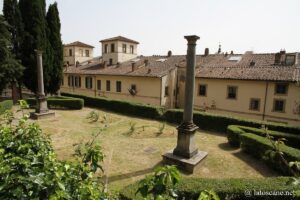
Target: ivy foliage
x: 29, y: 168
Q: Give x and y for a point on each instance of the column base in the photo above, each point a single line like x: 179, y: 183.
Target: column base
x: 188, y: 165
x: 43, y: 115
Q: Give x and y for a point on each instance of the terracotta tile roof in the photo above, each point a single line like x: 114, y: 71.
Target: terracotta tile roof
x: 158, y: 66
x: 120, y: 38
x: 216, y: 66
x: 79, y: 44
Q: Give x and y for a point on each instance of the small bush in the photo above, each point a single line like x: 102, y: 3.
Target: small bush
x: 260, y: 146
x: 219, y: 123
x: 60, y: 103
x: 233, y: 189
x: 5, y: 105
x: 123, y: 107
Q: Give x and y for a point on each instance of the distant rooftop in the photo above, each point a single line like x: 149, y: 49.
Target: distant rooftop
x: 119, y: 38
x: 78, y: 44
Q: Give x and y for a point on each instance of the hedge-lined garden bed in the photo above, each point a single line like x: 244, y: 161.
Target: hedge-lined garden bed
x: 122, y: 107
x: 260, y: 146
x: 59, y: 102
x: 5, y: 105
x: 219, y: 123
x: 234, y: 132
x: 236, y: 188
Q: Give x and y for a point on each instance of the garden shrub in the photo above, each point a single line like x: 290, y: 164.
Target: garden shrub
x: 233, y: 132
x: 29, y: 168
x: 5, y: 105
x: 122, y: 107
x: 260, y: 147
x: 219, y: 123
x: 233, y: 189
x: 58, y: 102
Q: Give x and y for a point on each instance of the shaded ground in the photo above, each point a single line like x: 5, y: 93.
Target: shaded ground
x: 132, y: 155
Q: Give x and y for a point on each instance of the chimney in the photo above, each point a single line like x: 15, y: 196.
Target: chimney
x: 206, y: 52
x: 169, y: 53
x: 231, y: 52
x: 118, y: 64
x: 282, y: 56
x: 133, y: 66
x: 226, y: 54
x: 277, y: 58
x: 104, y: 64
x: 146, y: 62
x: 77, y: 64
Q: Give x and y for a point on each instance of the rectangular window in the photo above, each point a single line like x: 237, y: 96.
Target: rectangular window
x: 98, y: 84
x: 166, y: 91
x: 124, y: 48
x: 70, y: 52
x: 87, y: 53
x: 254, y: 104
x: 202, y: 90
x: 118, y: 86
x: 231, y: 92
x: 112, y: 48
x: 107, y: 85
x: 66, y: 52
x: 133, y: 87
x: 80, y: 52
x: 131, y: 49
x: 106, y: 48
x: 77, y: 81
x: 281, y: 88
x: 62, y: 80
x: 70, y: 81
x: 279, y: 105
x: 88, y: 82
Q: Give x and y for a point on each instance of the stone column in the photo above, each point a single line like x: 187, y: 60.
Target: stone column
x: 186, y: 131
x: 41, y: 99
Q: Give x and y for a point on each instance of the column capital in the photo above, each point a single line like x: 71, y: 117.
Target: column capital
x: 192, y: 39
x: 38, y: 52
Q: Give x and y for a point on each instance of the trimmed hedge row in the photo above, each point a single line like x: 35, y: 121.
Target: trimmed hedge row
x: 5, y: 105
x: 234, y: 189
x: 205, y: 121
x: 60, y: 103
x: 123, y: 107
x: 234, y: 132
x: 215, y: 122
x: 259, y: 147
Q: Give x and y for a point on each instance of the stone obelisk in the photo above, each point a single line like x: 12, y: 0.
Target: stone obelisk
x: 186, y: 155
x: 41, y: 110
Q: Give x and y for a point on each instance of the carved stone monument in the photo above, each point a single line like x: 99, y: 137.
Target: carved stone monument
x: 186, y: 155
x: 41, y: 110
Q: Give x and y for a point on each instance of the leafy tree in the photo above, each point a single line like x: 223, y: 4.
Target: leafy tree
x: 56, y: 57
x: 10, y: 68
x: 30, y: 169
x: 34, y: 37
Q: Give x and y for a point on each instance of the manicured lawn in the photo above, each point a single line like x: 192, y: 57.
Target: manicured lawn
x: 132, y: 155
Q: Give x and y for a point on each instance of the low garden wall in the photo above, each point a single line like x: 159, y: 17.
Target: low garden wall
x: 60, y: 102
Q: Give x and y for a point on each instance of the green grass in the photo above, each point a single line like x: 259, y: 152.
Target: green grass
x: 131, y: 156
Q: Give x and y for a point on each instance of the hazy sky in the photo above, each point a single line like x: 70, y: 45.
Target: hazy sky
x: 159, y: 25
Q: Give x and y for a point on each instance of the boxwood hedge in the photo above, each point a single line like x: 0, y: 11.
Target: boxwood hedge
x: 123, y: 107
x: 58, y: 102
x: 259, y: 147
x: 234, y: 131
x: 233, y: 189
x: 5, y: 105
x: 219, y: 123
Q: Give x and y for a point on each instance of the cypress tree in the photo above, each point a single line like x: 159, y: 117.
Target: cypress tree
x: 10, y: 68
x: 34, y: 37
x: 12, y: 15
x: 56, y: 59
